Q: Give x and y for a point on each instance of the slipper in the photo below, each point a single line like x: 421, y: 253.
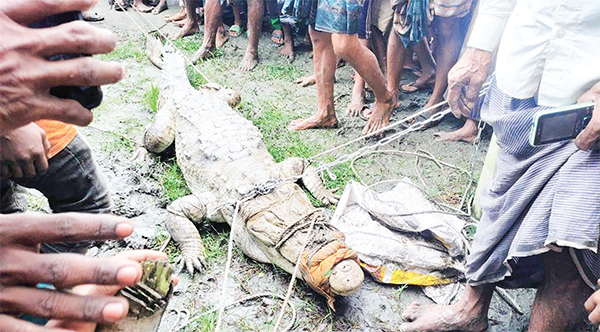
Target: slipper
x: 235, y: 30
x: 362, y: 114
x: 121, y: 5
x: 277, y: 35
x: 412, y: 87
x: 92, y: 17
x: 424, y: 117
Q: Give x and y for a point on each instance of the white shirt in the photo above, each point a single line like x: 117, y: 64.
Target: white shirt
x: 548, y: 45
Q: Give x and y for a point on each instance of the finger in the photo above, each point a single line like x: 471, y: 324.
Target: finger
x: 141, y: 255
x: 66, y: 270
x: 454, y: 95
x: 26, y: 12
x: 463, y: 108
x: 8, y: 323
x: 30, y: 229
x: 84, y: 71
x: 5, y: 171
x: 585, y: 139
x: 64, y: 110
x: 28, y: 168
x: 41, y: 163
x: 75, y: 37
x: 590, y: 303
x: 60, y: 305
x: 594, y: 316
x: 15, y: 171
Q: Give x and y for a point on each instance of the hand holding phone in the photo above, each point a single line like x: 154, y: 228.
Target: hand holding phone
x: 559, y: 124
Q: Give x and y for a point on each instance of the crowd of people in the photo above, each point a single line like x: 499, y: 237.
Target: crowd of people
x: 541, y: 211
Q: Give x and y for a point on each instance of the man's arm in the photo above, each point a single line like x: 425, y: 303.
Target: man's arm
x: 467, y: 76
x: 489, y: 24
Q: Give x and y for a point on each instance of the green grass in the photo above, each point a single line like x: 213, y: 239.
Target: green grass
x: 128, y: 50
x: 173, y: 182
x: 286, y: 72
x: 398, y: 292
x: 215, y: 246
x: 151, y: 98
x: 204, y: 323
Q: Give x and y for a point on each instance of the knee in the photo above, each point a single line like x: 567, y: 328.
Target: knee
x: 344, y: 45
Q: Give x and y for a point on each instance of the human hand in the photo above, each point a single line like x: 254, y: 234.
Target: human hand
x: 22, y: 268
x: 589, y: 136
x: 24, y: 152
x: 592, y: 305
x: 26, y: 76
x: 465, y: 80
x: 104, y: 290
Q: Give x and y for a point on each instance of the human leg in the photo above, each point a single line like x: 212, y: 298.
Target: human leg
x: 324, y: 67
x: 288, y: 42
x: 237, y: 22
x: 190, y: 23
x: 395, y: 63
x: 160, y: 7
x: 213, y: 19
x: 559, y: 302
x: 255, y: 15
x: 378, y: 47
x: 73, y: 168
x: 358, y: 90
x: 364, y: 62
x: 446, y: 53
x: 468, y: 314
x: 427, y: 63
x: 277, y: 36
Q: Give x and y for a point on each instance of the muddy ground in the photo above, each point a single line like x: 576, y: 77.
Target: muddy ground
x: 270, y: 99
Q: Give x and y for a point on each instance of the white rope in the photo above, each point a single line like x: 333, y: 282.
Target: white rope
x: 290, y: 289
x: 227, y: 264
x: 165, y: 37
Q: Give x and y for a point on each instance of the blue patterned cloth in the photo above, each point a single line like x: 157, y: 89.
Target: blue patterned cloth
x: 416, y: 14
x: 338, y: 16
x: 539, y: 198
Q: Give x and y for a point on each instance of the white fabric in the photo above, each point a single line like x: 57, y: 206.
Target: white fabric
x: 548, y: 45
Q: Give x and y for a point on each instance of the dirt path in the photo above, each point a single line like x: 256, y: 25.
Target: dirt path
x: 271, y: 100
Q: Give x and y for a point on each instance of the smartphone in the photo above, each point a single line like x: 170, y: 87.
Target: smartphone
x: 88, y: 96
x: 559, y: 124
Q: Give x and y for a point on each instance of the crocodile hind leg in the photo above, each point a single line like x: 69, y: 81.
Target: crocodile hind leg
x: 312, y: 182
x: 183, y: 212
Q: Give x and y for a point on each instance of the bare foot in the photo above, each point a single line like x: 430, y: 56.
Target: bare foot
x: 306, y: 81
x: 188, y: 29
x: 456, y: 317
x: 177, y: 17
x: 287, y: 52
x: 467, y: 133
x: 356, y: 104
x: 204, y: 52
x: 380, y: 117
x: 160, y: 8
x: 141, y: 7
x: 314, y: 122
x: 222, y: 37
x: 249, y: 61
x: 425, y: 81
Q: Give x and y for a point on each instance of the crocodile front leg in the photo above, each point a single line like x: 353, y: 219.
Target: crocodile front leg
x: 179, y: 224
x: 161, y: 133
x: 311, y: 181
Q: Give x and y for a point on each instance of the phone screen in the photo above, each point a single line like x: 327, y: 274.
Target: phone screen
x: 558, y: 127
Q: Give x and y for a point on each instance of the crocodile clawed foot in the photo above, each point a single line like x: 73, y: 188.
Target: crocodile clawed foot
x: 192, y: 261
x: 141, y: 155
x: 330, y: 198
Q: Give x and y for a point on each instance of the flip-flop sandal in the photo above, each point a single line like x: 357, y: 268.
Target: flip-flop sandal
x: 412, y: 87
x: 235, y: 30
x: 92, y: 17
x: 121, y: 5
x: 362, y: 114
x: 277, y: 35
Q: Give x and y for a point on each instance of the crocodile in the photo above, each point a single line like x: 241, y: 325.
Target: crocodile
x: 225, y: 162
